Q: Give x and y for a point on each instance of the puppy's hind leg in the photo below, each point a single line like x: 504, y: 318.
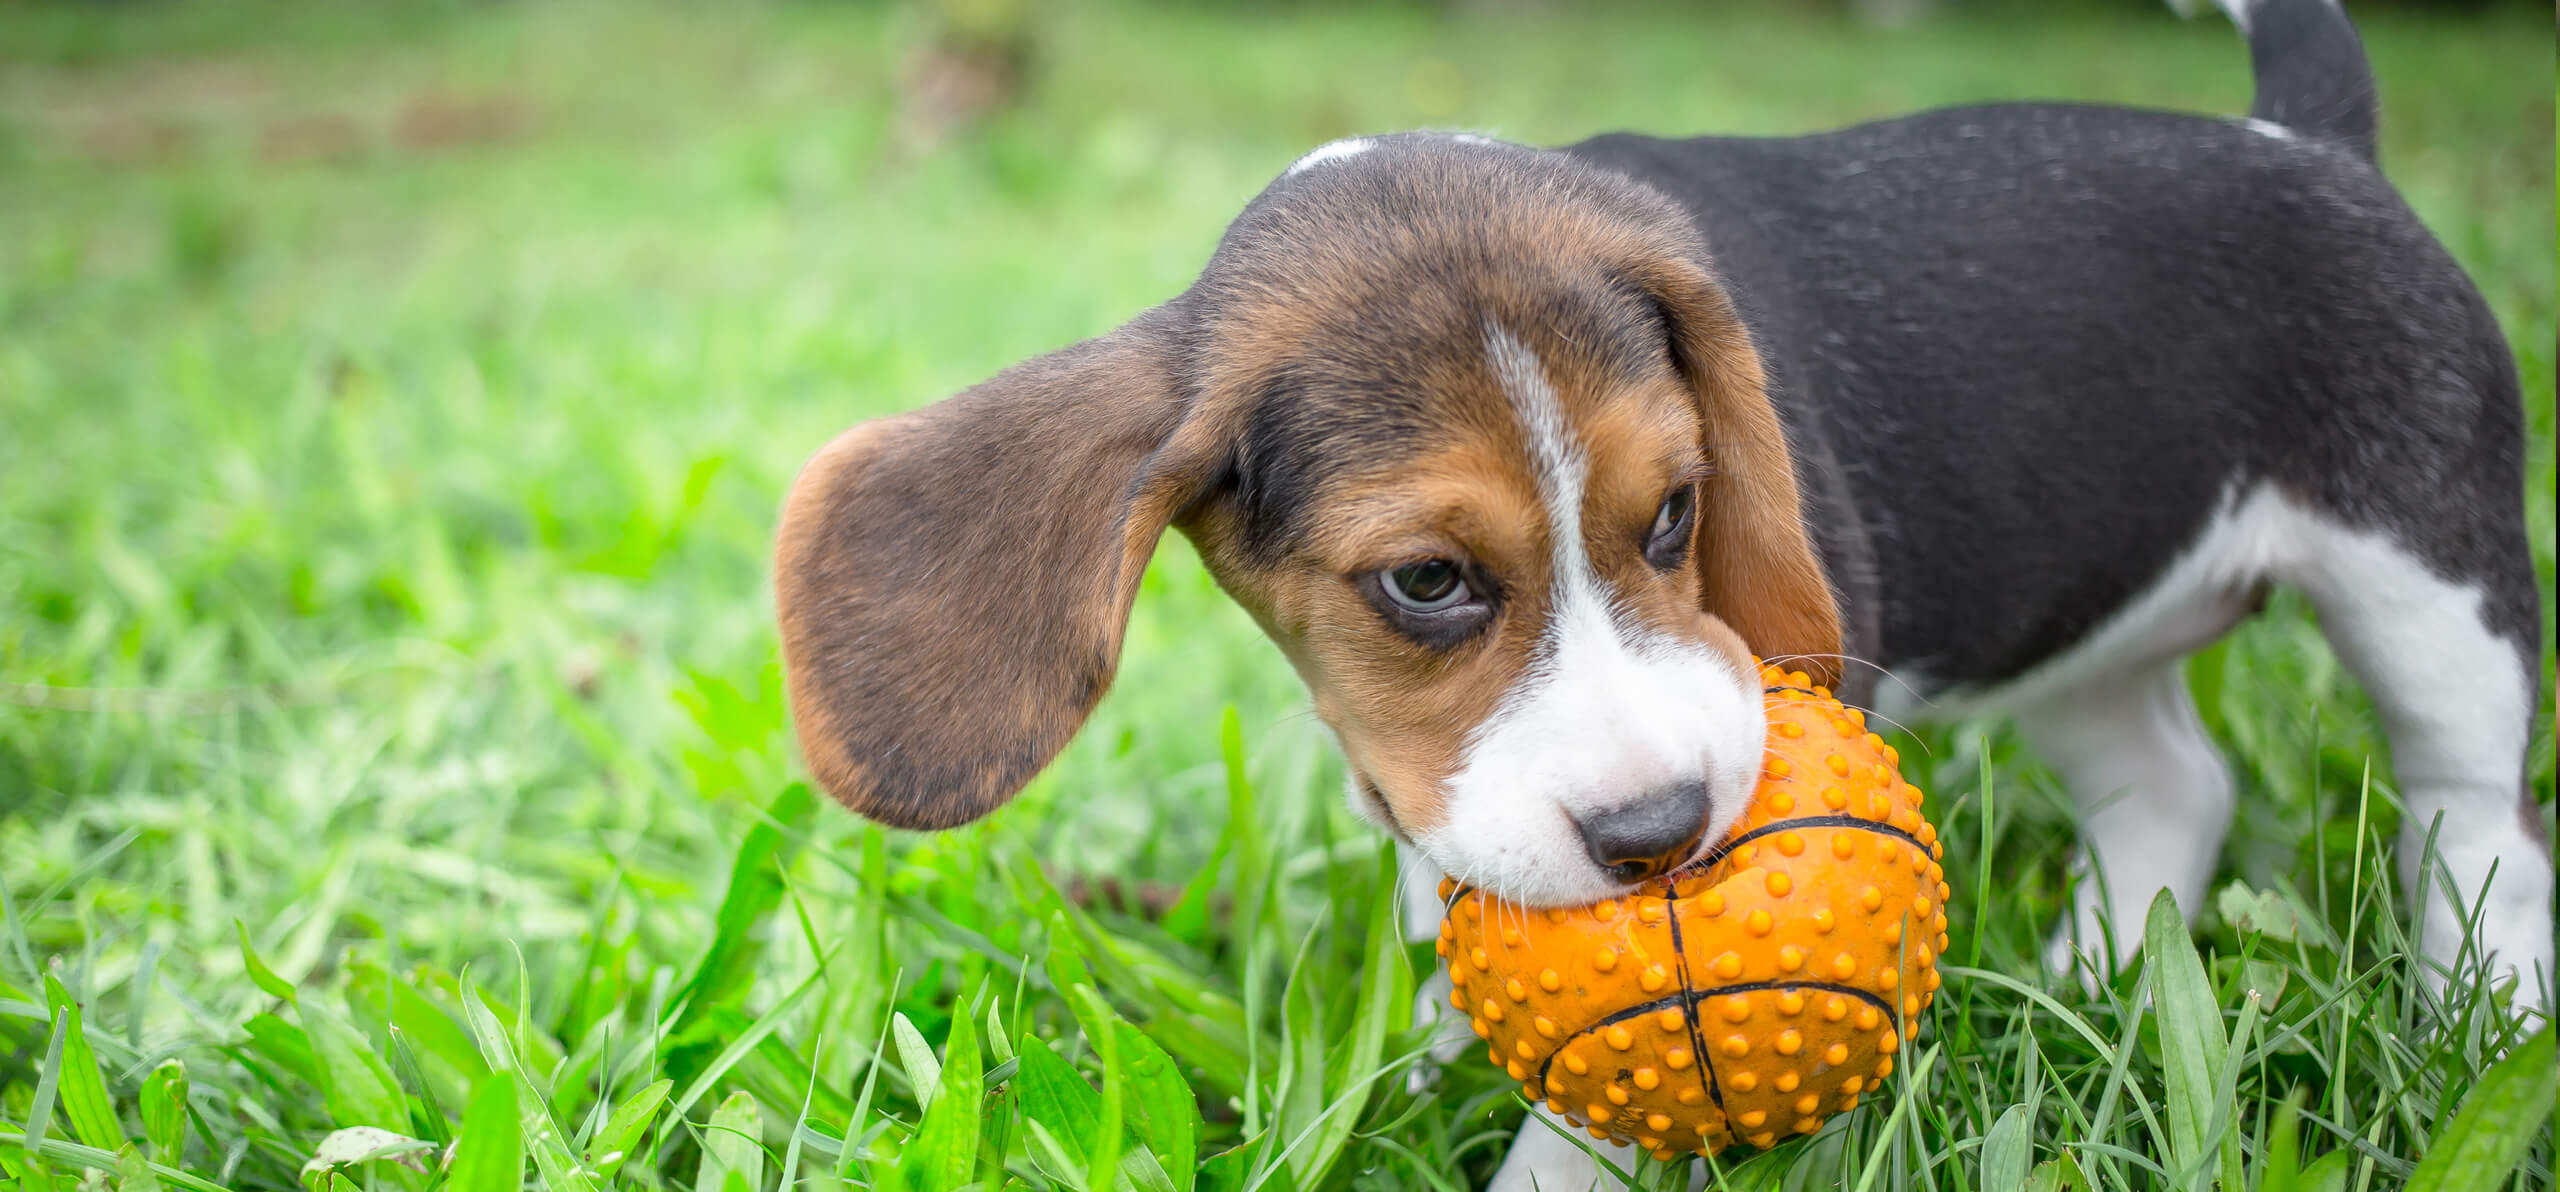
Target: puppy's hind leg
x: 2456, y: 696
x: 2154, y: 797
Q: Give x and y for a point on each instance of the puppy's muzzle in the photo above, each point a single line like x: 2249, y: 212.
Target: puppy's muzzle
x: 1648, y: 836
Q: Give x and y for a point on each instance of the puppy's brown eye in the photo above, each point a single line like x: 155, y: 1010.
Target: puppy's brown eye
x: 1426, y: 587
x: 1668, y: 542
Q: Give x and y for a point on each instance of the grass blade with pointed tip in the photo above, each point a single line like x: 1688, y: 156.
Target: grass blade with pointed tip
x: 915, y: 1057
x: 1168, y: 1118
x: 86, y: 1104
x: 1056, y: 1099
x: 944, y: 1152
x: 2497, y: 1122
x: 630, y: 1121
x: 2007, y: 1151
x: 2193, y: 1046
x: 164, y: 1111
x: 732, y: 1146
x: 359, y: 1087
x: 264, y: 977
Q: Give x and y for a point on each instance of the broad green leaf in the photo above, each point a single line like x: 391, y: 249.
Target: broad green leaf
x: 164, y: 1111
x: 630, y: 1122
x: 489, y: 1156
x: 359, y: 1088
x: 2192, y: 1044
x: 732, y: 1146
x: 944, y: 1152
x: 2497, y: 1123
x: 1052, y: 1156
x: 1102, y: 1035
x: 86, y: 1106
x: 2008, y: 1150
x: 284, y: 1045
x: 1168, y: 1119
x: 915, y: 1055
x: 1057, y: 1099
x: 1064, y: 1113
x: 999, y: 1043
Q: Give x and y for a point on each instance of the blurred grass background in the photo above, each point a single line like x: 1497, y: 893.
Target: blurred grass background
x: 394, y: 401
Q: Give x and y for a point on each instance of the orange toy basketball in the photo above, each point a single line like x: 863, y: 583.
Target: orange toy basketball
x: 1747, y: 998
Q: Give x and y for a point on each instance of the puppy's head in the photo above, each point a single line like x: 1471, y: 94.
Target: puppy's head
x: 1469, y: 428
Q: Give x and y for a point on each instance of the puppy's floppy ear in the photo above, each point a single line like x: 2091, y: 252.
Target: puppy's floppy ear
x: 1757, y: 566
x: 953, y: 583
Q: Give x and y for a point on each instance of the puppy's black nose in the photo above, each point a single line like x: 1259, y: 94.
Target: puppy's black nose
x: 1649, y: 834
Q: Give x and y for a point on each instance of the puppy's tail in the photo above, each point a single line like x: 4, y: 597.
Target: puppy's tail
x: 2313, y: 79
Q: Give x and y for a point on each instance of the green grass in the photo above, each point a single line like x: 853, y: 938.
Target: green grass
x: 394, y: 404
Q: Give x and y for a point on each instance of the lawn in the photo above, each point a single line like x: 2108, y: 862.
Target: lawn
x: 394, y: 406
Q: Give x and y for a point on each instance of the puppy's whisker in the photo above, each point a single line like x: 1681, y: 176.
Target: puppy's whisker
x: 1882, y: 671
x: 1862, y: 708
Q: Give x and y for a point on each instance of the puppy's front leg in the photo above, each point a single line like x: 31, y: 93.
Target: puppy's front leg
x: 1548, y: 1156
x: 2155, y: 801
x: 1545, y: 1158
x: 1419, y: 885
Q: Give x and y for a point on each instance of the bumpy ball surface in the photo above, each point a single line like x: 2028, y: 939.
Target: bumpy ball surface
x: 1739, y: 1001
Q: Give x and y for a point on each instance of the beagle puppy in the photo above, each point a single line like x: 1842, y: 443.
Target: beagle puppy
x: 1520, y: 454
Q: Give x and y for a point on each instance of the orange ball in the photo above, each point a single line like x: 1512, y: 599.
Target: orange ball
x: 1745, y: 999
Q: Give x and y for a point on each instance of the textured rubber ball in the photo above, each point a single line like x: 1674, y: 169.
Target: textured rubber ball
x: 1746, y: 998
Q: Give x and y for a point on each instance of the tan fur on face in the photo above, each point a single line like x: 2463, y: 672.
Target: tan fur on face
x: 1402, y: 712
x: 953, y: 583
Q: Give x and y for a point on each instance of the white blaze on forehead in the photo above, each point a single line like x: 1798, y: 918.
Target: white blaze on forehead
x: 1606, y: 714
x: 1334, y: 151
x: 1552, y: 445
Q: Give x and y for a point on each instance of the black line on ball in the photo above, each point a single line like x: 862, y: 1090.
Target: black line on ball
x: 1719, y: 852
x: 1827, y: 987
x: 1688, y: 1000
x: 1689, y: 1012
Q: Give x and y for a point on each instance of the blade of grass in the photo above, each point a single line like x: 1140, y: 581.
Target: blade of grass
x: 732, y: 1147
x: 488, y: 1156
x: 164, y: 1111
x: 2008, y: 1150
x: 2497, y: 1123
x: 74, y: 1071
x: 2192, y: 1045
x: 944, y: 1152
